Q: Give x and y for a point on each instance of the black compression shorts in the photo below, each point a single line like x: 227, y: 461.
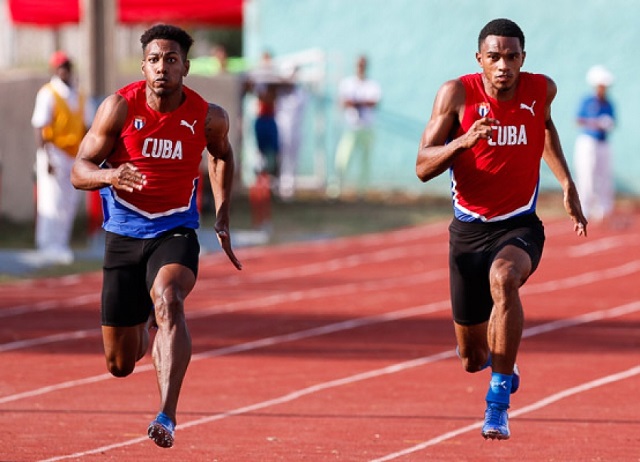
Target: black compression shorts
x: 472, y: 249
x: 130, y: 267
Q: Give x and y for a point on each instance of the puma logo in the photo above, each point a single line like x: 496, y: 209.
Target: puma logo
x: 184, y: 123
x: 528, y: 108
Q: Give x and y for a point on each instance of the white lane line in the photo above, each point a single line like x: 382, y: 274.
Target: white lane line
x: 256, y: 303
x: 39, y: 341
x: 524, y: 410
x: 324, y: 292
x: 582, y: 319
x: 325, y: 266
x: 252, y: 345
x: 349, y: 288
x: 304, y: 270
x: 326, y: 329
x: 45, y: 305
x: 417, y: 232
x: 602, y: 245
x: 392, y: 369
x: 583, y: 279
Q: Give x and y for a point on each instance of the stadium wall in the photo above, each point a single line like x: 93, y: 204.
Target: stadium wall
x: 416, y: 45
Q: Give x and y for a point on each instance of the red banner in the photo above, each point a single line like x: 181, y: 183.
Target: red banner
x: 44, y: 12
x: 57, y: 12
x: 218, y: 12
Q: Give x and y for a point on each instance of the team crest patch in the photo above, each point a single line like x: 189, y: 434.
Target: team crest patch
x: 483, y: 109
x: 139, y: 122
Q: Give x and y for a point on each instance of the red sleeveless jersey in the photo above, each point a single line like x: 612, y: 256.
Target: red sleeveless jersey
x: 166, y: 147
x: 498, y: 178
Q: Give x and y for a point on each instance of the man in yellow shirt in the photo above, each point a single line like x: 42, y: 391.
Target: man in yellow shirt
x: 61, y: 117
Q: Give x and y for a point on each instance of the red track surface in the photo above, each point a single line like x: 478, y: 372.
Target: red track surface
x: 337, y: 350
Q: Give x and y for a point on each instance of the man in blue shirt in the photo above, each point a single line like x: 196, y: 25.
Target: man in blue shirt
x: 592, y: 156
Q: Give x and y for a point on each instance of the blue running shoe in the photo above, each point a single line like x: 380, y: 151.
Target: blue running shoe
x: 161, y: 430
x: 515, y: 380
x: 496, y: 422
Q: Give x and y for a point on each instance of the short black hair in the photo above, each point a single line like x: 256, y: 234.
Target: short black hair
x: 502, y: 28
x: 167, y: 32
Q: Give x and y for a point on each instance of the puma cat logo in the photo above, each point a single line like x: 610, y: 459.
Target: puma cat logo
x: 184, y: 123
x: 528, y: 108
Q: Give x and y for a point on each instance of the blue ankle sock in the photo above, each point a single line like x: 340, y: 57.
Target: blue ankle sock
x: 499, y: 389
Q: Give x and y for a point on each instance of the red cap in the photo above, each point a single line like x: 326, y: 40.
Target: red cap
x: 59, y: 58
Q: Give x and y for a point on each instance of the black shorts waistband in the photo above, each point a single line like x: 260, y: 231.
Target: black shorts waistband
x: 510, y: 223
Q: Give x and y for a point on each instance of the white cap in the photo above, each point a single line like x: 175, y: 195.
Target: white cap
x: 599, y: 75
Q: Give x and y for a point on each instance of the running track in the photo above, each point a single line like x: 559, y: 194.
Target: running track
x: 336, y: 350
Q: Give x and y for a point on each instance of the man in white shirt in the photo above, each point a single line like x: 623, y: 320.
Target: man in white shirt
x: 359, y: 97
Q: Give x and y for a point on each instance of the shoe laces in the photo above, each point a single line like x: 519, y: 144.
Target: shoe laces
x: 495, y: 414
